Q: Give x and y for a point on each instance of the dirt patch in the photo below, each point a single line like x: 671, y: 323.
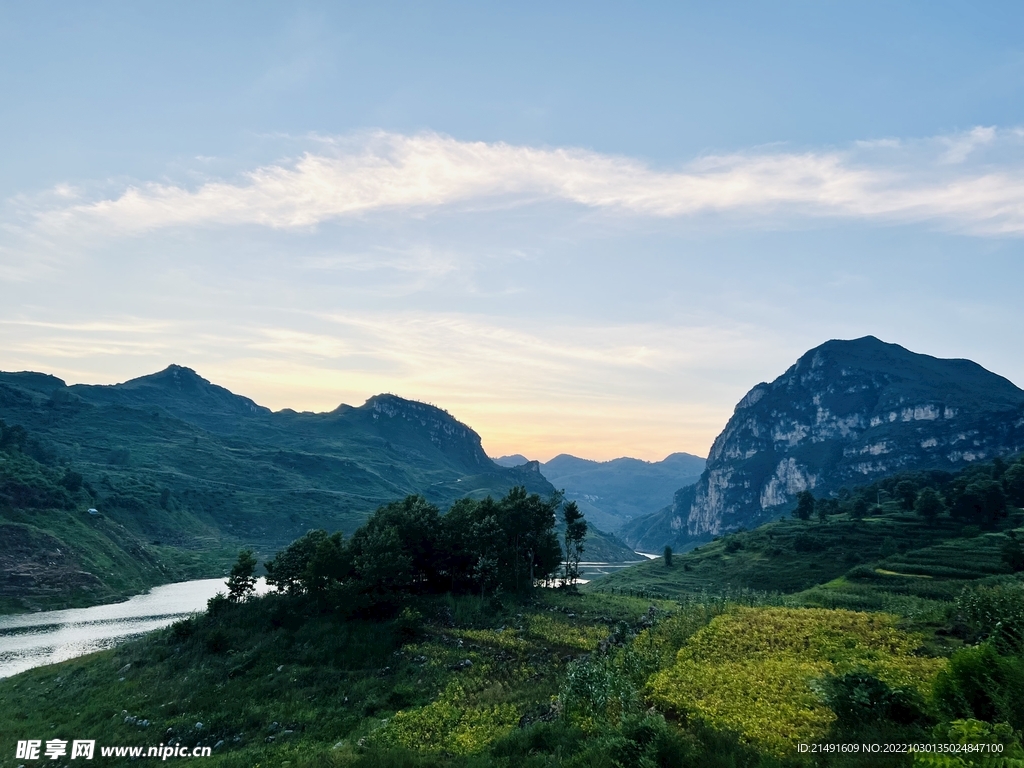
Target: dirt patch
x: 34, y: 564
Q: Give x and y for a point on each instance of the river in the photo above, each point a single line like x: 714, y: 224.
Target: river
x: 30, y: 640
x: 33, y: 639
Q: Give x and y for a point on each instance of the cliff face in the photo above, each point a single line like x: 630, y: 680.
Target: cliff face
x: 848, y: 412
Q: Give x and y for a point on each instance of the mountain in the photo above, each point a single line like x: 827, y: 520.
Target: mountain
x: 846, y: 413
x: 850, y: 561
x: 172, y: 460
x: 512, y: 460
x: 611, y: 493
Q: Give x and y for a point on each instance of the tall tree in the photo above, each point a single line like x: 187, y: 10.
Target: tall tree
x: 242, y: 581
x: 1013, y: 481
x: 575, y: 533
x: 804, y: 505
x: 906, y: 494
x: 929, y: 504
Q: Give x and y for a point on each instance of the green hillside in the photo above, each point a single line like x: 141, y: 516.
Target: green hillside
x: 235, y: 465
x: 869, y: 549
x: 183, y: 473
x: 416, y: 642
x: 56, y: 554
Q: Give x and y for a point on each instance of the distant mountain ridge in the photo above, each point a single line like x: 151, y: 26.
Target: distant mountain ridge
x: 846, y: 413
x: 191, y: 455
x: 611, y: 493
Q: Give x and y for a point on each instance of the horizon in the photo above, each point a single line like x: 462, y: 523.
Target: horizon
x: 584, y: 233
x: 495, y: 456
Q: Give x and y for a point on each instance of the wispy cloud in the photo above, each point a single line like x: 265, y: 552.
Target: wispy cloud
x: 961, y: 146
x: 927, y: 180
x: 538, y: 386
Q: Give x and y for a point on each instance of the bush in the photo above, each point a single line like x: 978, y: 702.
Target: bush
x: 981, y: 684
x: 217, y: 641
x: 859, y: 698
x: 888, y: 548
x: 183, y: 629
x: 1013, y: 482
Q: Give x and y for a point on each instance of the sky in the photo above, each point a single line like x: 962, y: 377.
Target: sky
x: 586, y: 228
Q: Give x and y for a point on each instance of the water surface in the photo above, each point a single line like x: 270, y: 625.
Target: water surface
x: 33, y: 639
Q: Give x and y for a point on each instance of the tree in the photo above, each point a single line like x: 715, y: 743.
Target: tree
x: 415, y: 525
x: 826, y: 507
x: 516, y: 532
x: 1013, y: 555
x: 575, y: 533
x: 860, y: 508
x: 929, y: 504
x: 1013, y: 482
x: 982, y: 501
x: 242, y: 582
x: 287, y: 569
x: 668, y: 557
x: 906, y: 494
x: 888, y: 548
x: 804, y: 505
x: 327, y: 568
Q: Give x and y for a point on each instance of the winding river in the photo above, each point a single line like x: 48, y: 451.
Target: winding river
x: 30, y: 640
x: 33, y: 639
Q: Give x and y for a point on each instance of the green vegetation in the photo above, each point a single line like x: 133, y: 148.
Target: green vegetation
x: 888, y: 613
x: 421, y: 641
x: 55, y: 554
x: 907, y: 544
x: 184, y: 473
x: 754, y: 671
x: 575, y: 534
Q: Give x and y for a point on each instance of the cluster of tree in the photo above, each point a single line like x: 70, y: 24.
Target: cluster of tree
x: 408, y: 547
x: 977, y: 495
x: 12, y: 437
x: 25, y: 482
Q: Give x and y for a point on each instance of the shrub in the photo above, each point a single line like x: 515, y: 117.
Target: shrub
x: 217, y: 641
x: 183, y: 629
x: 888, y: 548
x: 981, y: 684
x: 859, y: 698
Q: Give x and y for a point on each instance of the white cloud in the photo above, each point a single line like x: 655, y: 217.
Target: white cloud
x: 923, y: 181
x: 962, y: 145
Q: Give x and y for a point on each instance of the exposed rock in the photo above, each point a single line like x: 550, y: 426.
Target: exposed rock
x: 846, y: 413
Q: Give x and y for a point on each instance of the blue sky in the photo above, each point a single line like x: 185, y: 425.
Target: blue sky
x: 588, y: 228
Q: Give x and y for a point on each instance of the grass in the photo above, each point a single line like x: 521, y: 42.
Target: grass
x: 273, y: 686
x: 790, y: 556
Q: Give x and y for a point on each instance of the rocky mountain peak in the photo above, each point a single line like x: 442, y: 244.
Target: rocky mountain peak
x: 845, y: 413
x: 443, y: 430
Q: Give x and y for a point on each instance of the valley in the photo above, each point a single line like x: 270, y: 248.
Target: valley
x: 855, y: 600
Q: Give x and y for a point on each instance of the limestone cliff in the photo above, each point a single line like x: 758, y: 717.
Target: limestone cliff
x: 846, y: 413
